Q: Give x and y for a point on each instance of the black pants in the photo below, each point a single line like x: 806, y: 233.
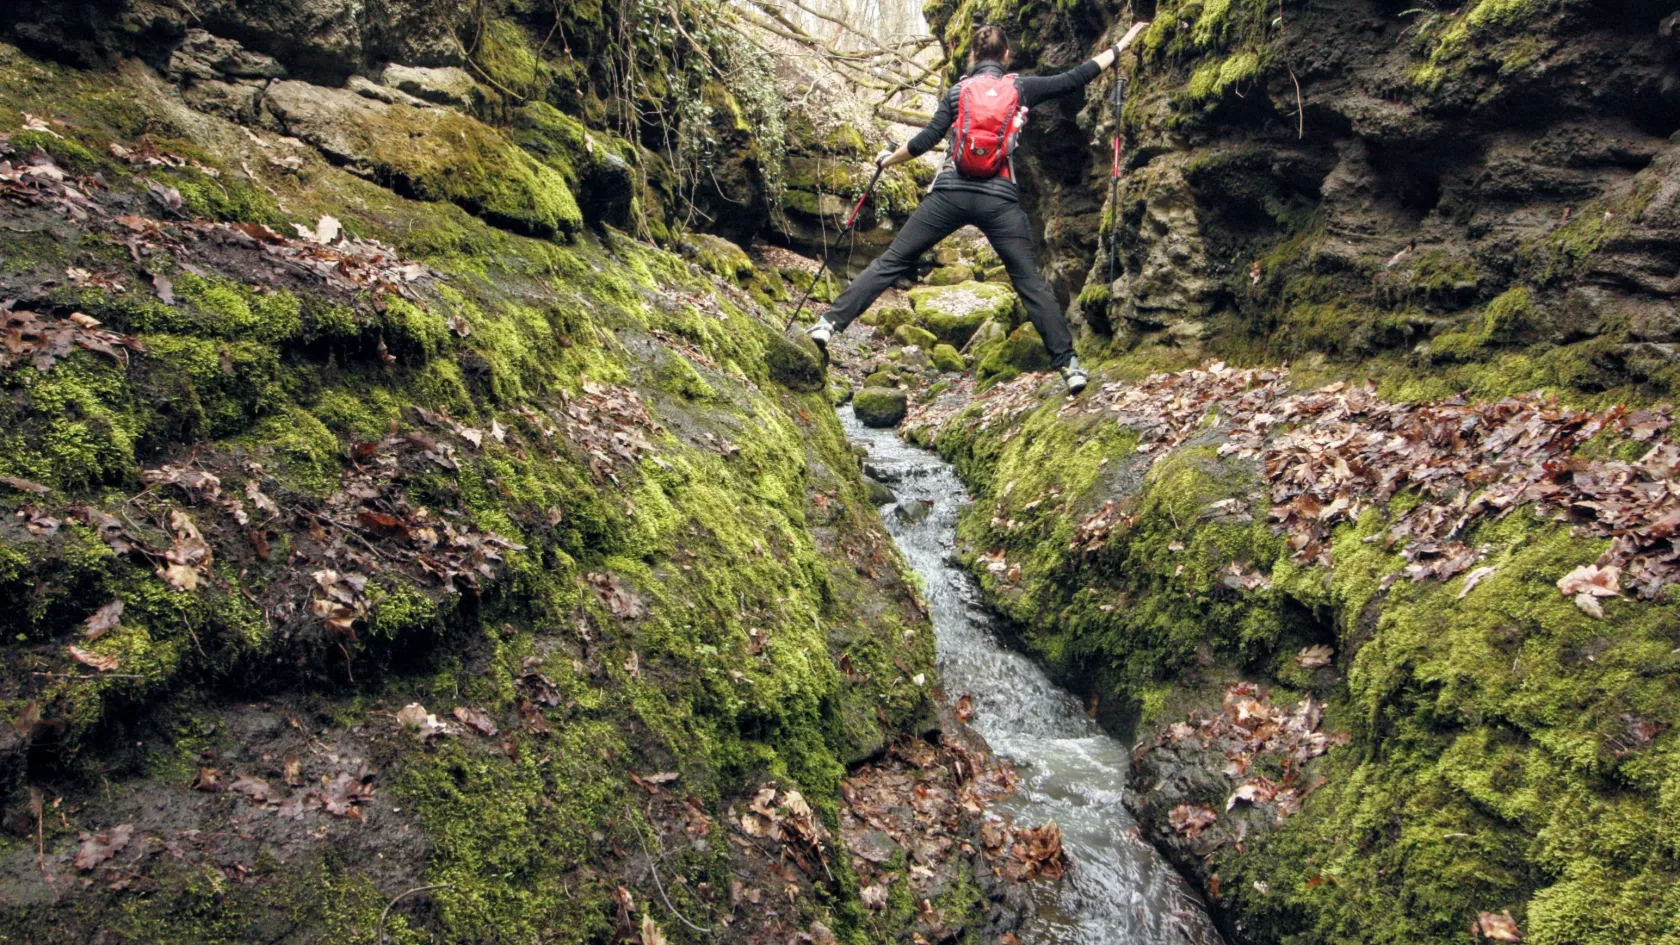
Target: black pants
x: 942, y: 213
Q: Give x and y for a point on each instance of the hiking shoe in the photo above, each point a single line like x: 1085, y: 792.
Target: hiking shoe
x: 1075, y: 377
x: 820, y: 333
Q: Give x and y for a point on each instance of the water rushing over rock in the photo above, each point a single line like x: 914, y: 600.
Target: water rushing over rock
x: 1120, y: 890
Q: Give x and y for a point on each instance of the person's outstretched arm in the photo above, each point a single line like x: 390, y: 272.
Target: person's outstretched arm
x: 1037, y: 88
x: 928, y: 137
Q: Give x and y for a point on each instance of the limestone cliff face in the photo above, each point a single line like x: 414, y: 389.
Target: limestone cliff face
x: 1362, y: 181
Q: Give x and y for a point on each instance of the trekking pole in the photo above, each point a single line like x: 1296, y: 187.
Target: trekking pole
x: 1114, y: 182
x: 851, y: 220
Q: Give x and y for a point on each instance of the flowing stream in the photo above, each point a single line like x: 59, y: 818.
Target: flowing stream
x: 1119, y: 891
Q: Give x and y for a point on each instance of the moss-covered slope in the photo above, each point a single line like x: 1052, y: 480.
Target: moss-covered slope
x: 568, y: 499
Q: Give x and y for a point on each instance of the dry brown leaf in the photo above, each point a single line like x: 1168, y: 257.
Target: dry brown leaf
x: 476, y: 719
x: 103, y: 620
x: 101, y: 662
x: 1313, y: 657
x: 1497, y: 927
x: 97, y: 848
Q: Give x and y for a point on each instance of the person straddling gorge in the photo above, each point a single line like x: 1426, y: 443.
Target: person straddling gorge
x: 983, y: 115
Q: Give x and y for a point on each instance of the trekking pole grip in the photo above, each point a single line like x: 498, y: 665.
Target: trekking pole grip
x: 867, y: 190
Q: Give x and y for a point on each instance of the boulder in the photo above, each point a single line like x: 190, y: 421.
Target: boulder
x: 879, y: 492
x: 954, y: 313
x: 219, y: 76
x: 717, y: 255
x: 949, y: 275
x: 839, y: 390
x: 946, y: 358
x: 203, y: 56
x: 881, y: 379
x: 795, y: 362
x: 911, y: 335
x: 594, y: 165
x: 1021, y: 351
x: 428, y: 154
x: 450, y: 86
x: 367, y: 88
x: 887, y: 318
x: 880, y: 406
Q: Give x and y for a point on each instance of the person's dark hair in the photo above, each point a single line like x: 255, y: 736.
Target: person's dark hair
x: 989, y: 43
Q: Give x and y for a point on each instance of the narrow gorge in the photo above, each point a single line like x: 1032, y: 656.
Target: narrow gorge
x: 418, y: 524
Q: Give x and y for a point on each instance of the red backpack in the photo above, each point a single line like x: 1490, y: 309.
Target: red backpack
x: 989, y: 119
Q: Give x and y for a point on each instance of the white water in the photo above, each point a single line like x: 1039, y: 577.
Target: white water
x: 1120, y: 891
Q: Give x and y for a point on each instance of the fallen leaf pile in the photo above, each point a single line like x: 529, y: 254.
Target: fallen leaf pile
x: 933, y: 804
x: 620, y: 600
x: 611, y: 424
x: 323, y: 254
x: 784, y: 816
x: 341, y: 794
x: 44, y: 340
x: 1250, y: 727
x: 1024, y: 853
x: 1328, y: 455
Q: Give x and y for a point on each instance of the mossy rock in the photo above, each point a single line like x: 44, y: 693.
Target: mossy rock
x: 431, y: 154
x: 879, y: 493
x: 954, y: 313
x: 597, y: 165
x: 887, y: 319
x: 947, y: 358
x: 839, y: 390
x: 1020, y: 352
x: 949, y: 275
x: 880, y: 406
x: 911, y: 335
x: 881, y: 379
x: 798, y: 280
x: 794, y: 362
x: 996, y: 274
x: 718, y: 255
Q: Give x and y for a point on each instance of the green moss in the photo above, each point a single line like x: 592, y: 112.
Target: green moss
x: 911, y: 335
x: 441, y: 155
x: 299, y: 449
x: 65, y: 152
x: 1211, y: 80
x: 504, y: 55
x: 75, y: 425
x: 1094, y: 296
x: 886, y: 319
x: 743, y: 563
x: 947, y: 358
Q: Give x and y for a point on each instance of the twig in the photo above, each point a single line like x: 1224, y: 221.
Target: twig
x: 353, y: 531
x: 380, y: 940
x: 653, y: 869
x: 98, y: 676
x: 348, y: 672
x: 1300, y: 112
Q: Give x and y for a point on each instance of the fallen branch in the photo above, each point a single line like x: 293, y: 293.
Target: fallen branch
x: 902, y: 115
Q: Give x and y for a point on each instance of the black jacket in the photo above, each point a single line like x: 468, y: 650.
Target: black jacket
x: 1033, y: 89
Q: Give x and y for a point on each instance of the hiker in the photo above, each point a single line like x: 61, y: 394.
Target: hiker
x: 983, y: 114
